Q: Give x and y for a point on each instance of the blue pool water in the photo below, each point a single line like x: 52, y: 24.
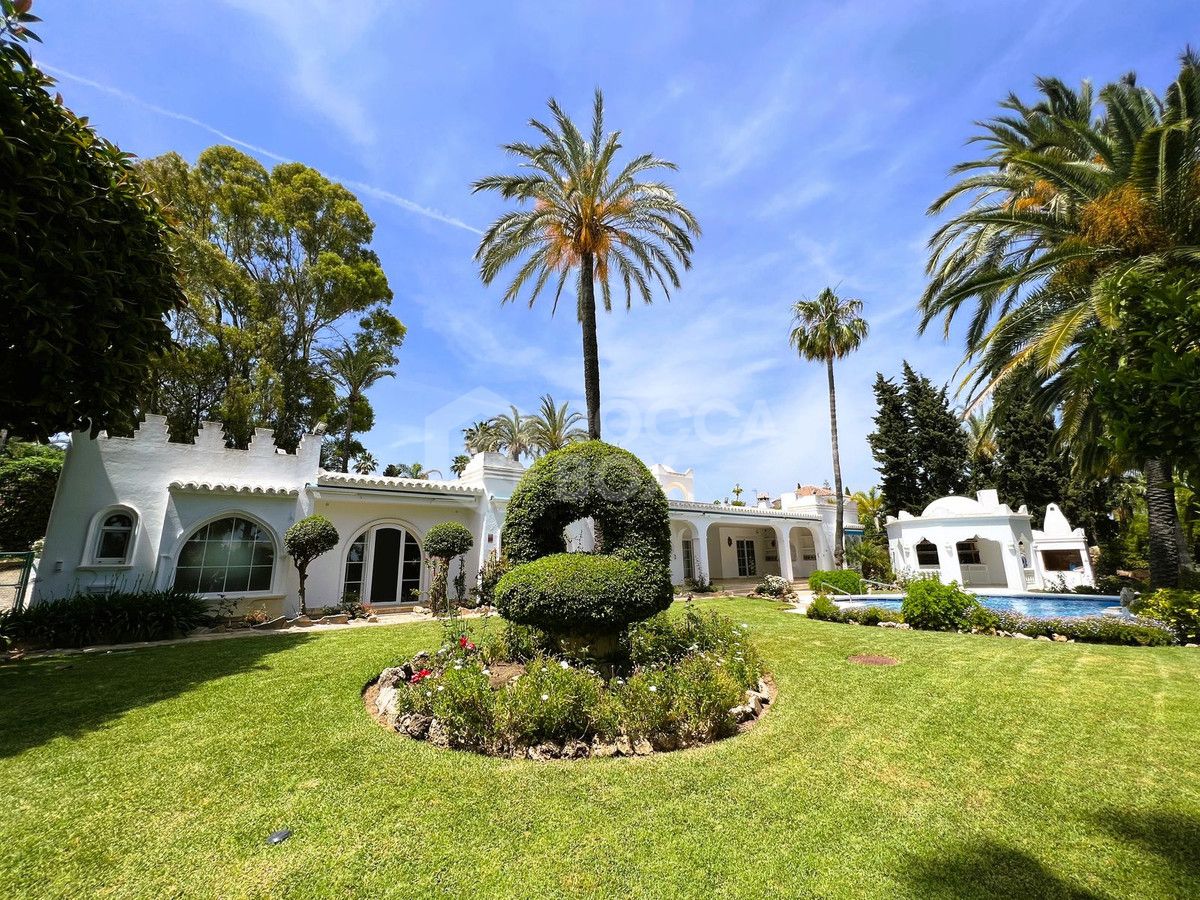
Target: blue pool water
x: 1038, y: 607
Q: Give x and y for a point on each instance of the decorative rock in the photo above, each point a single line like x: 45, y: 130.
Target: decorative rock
x: 372, y: 618
x: 438, y: 735
x: 764, y: 690
x: 272, y: 625
x: 643, y: 747
x: 624, y: 746
x: 543, y: 752
x: 1060, y: 638
x: 664, y: 743
x: 741, y: 713
x: 1022, y: 637
x: 1191, y: 645
x: 753, y: 702
x: 574, y: 750
x: 300, y: 622
x: 389, y: 678
x: 385, y: 701
x: 1042, y: 637
x: 337, y: 619
x: 414, y: 725
x: 603, y: 749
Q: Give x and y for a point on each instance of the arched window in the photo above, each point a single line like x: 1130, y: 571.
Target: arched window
x: 927, y: 554
x: 114, y: 538
x: 228, y: 556
x: 383, y: 565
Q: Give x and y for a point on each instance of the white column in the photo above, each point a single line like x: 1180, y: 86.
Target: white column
x: 701, y: 551
x: 782, y: 540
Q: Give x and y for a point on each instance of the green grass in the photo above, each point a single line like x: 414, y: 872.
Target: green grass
x: 977, y: 767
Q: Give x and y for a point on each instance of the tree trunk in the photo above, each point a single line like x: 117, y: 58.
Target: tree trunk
x: 839, y: 553
x: 591, y: 351
x: 303, y: 578
x: 348, y: 437
x: 1164, y: 524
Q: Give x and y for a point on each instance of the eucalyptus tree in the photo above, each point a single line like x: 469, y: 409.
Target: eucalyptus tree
x: 823, y: 330
x: 1069, y: 200
x: 554, y: 426
x: 356, y: 367
x: 582, y: 215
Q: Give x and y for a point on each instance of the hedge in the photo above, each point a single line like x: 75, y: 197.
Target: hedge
x: 113, y: 618
x: 26, y: 495
x: 825, y: 581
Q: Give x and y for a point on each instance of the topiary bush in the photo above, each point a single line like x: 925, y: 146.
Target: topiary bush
x: 824, y: 581
x: 443, y: 542
x: 935, y: 606
x: 588, y: 597
x: 774, y: 586
x: 305, y: 541
x: 1179, y: 610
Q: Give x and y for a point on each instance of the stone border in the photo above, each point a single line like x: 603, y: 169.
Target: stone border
x: 421, y: 728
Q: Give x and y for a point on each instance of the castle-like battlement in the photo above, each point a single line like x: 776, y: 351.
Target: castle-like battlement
x: 151, y: 435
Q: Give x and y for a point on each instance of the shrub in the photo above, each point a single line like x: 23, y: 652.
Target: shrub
x: 552, y: 701
x: 576, y: 593
x: 305, y: 541
x: 26, y: 494
x: 845, y: 581
x: 1090, y: 629
x: 462, y: 699
x: 616, y: 489
x: 983, y: 619
x: 935, y: 606
x: 774, y: 586
x: 822, y: 607
x: 1179, y: 609
x: 871, y: 615
x: 494, y: 568
x: 665, y: 640
x: 701, y: 697
x: 117, y: 617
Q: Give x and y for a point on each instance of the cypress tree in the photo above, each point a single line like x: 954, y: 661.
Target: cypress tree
x: 1030, y: 468
x: 892, y: 446
x: 940, y: 444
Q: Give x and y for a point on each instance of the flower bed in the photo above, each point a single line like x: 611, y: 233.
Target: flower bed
x: 679, y: 681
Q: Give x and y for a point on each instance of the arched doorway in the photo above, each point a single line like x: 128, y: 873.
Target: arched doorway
x: 804, y: 552
x: 383, y: 565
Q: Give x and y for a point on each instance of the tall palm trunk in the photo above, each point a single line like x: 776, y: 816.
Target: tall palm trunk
x: 591, y: 350
x: 838, y: 542
x: 1163, y: 522
x: 348, y: 437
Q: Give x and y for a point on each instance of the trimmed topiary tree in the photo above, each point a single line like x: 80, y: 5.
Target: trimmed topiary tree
x: 586, y: 599
x: 305, y: 541
x: 443, y: 542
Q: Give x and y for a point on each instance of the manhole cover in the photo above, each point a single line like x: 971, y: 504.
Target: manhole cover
x: 868, y: 659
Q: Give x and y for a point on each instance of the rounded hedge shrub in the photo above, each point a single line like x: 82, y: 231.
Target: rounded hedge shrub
x: 934, y: 606
x: 447, y: 540
x: 839, y: 580
x: 583, y: 594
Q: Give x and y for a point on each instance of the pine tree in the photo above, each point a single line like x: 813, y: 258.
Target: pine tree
x: 892, y: 446
x: 940, y: 444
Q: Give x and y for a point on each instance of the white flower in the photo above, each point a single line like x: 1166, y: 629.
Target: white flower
x: 545, y: 697
x: 458, y: 667
x: 653, y: 689
x: 565, y: 664
x: 486, y: 671
x: 441, y: 687
x: 429, y: 693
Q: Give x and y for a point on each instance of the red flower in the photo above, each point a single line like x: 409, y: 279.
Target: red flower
x: 418, y: 677
x: 465, y: 644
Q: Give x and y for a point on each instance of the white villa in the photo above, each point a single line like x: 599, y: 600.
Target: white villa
x: 983, y: 543
x: 141, y: 512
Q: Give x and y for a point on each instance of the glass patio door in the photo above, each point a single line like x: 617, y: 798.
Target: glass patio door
x: 390, y: 558
x: 747, y: 566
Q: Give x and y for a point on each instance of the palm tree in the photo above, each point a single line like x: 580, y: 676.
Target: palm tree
x: 406, y: 470
x: 870, y: 506
x: 826, y: 329
x: 356, y: 367
x: 1063, y: 205
x: 459, y: 464
x: 553, y: 426
x: 365, y: 463
x: 480, y: 437
x: 514, y: 433
x: 584, y: 218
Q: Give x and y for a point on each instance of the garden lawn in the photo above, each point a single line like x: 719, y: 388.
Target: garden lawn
x: 977, y: 767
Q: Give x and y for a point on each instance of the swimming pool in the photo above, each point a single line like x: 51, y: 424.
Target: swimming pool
x: 1037, y: 606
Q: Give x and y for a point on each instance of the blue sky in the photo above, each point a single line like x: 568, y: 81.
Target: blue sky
x: 810, y: 139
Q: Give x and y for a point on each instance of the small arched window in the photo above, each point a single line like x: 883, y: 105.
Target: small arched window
x: 229, y: 556
x: 114, y: 538
x: 927, y: 554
